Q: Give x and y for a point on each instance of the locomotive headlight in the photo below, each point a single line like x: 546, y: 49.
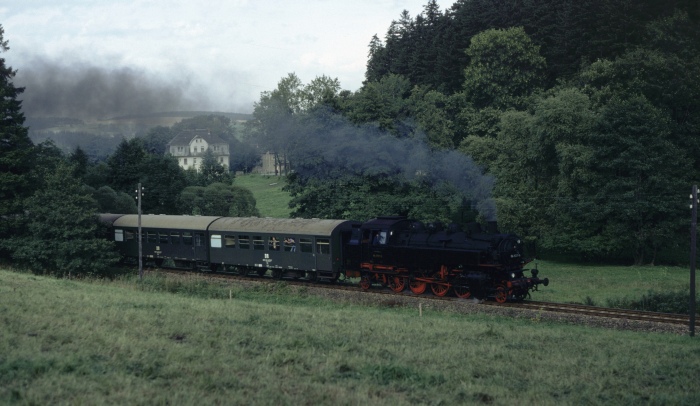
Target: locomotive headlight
x: 512, y: 275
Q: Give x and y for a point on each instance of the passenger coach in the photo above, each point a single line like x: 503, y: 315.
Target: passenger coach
x: 311, y: 248
x: 182, y: 239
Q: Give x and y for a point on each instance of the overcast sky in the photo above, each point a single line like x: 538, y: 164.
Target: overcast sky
x: 223, y: 52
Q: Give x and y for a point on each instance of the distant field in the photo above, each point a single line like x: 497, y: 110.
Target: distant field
x: 271, y: 200
x: 125, y: 342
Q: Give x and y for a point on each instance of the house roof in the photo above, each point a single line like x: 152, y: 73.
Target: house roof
x: 185, y: 137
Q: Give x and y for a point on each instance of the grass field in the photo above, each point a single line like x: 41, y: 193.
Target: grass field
x: 124, y: 342
x: 270, y: 199
x: 599, y: 284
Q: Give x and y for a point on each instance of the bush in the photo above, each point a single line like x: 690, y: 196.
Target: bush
x: 664, y: 302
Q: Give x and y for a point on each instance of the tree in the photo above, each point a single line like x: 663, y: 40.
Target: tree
x: 156, y: 140
x: 384, y: 103
x: 377, y: 65
x: 212, y: 171
x: 504, y: 68
x: 16, y: 151
x: 63, y: 229
x: 80, y: 162
x: 638, y: 167
x: 433, y: 112
x: 109, y: 201
x: 275, y: 127
x: 218, y: 199
x: 126, y: 164
x: 163, y: 181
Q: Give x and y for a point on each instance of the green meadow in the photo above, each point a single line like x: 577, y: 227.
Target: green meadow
x: 188, y: 341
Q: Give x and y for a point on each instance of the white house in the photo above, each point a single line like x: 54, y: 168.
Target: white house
x: 189, y: 147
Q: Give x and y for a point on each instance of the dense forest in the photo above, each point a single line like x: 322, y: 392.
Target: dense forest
x: 573, y: 123
x: 582, y: 118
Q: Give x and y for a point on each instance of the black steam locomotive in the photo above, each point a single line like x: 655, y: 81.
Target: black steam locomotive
x: 390, y: 251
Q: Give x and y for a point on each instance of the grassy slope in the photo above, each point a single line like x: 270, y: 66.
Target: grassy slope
x: 67, y: 341
x: 271, y: 200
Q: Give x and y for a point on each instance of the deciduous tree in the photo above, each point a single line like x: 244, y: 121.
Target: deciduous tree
x: 63, y: 229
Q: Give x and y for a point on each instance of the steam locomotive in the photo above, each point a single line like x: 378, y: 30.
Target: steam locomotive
x: 391, y: 251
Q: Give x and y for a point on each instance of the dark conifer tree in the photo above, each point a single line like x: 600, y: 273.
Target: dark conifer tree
x: 125, y: 165
x: 15, y: 151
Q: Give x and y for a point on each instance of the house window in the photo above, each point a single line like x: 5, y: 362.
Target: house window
x: 185, y: 161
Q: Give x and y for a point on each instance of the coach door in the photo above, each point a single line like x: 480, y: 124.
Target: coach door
x: 199, y: 248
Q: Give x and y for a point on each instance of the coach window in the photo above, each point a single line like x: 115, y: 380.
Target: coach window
x: 187, y: 238
x: 152, y: 237
x: 244, y: 242
x: 119, y: 235
x: 174, y: 238
x: 258, y: 243
x: 289, y: 244
x: 273, y: 244
x: 216, y: 241
x: 163, y: 237
x: 230, y: 241
x: 129, y: 235
x: 306, y: 245
x: 323, y: 246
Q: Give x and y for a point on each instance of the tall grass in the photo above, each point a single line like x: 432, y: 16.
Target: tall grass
x: 67, y: 341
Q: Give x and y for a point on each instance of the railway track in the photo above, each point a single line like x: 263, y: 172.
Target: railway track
x: 571, y: 309
x: 669, y: 318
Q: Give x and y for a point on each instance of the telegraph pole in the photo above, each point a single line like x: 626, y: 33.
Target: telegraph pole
x: 139, y: 195
x: 693, y: 240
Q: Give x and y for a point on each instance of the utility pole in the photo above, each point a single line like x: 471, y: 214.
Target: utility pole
x: 693, y: 240
x: 139, y: 195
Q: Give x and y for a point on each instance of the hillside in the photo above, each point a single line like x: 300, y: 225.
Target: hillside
x: 100, y: 136
x: 270, y: 199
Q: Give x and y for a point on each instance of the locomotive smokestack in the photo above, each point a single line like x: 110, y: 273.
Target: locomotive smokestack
x: 492, y: 227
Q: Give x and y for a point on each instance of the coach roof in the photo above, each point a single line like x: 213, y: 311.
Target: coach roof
x: 166, y: 221
x: 278, y: 226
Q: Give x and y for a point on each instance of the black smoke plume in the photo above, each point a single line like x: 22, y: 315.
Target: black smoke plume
x: 82, y: 90
x: 366, y: 150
